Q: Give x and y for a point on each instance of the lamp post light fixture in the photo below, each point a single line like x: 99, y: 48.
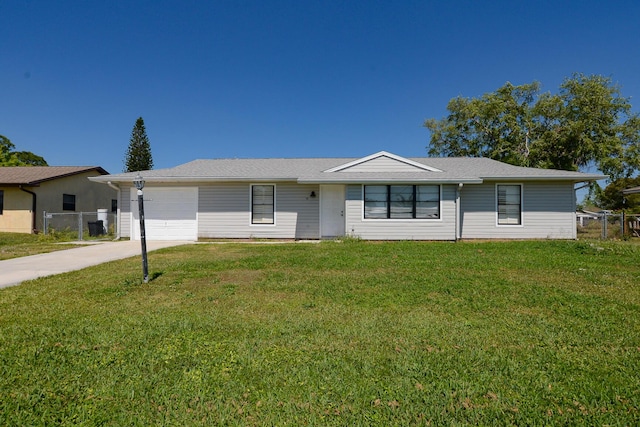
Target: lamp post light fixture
x: 138, y: 181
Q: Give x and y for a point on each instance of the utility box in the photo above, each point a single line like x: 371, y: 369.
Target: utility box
x: 96, y: 228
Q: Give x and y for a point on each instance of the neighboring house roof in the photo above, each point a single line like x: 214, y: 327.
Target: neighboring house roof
x: 590, y: 213
x: 590, y: 209
x: 471, y: 170
x: 632, y: 190
x: 35, y: 175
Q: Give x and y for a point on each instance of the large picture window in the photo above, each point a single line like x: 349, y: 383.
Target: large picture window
x: 262, y: 204
x: 509, y: 204
x: 402, y: 201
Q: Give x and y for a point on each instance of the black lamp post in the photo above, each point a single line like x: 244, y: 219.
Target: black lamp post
x: 139, y: 183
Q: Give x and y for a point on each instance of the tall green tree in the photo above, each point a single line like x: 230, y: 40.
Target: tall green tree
x: 10, y: 157
x: 612, y: 198
x: 138, y: 156
x: 588, y: 123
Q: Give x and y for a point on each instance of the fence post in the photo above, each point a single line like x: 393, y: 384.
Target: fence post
x: 80, y: 226
x: 44, y: 222
x: 604, y: 224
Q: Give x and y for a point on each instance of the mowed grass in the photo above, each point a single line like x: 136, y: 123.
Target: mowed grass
x: 345, y: 334
x: 14, y: 245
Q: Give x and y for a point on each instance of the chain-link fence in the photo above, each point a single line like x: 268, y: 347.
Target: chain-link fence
x: 606, y: 225
x: 81, y: 225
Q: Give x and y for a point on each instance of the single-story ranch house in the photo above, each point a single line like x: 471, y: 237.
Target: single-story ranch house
x: 381, y: 197
x: 26, y: 192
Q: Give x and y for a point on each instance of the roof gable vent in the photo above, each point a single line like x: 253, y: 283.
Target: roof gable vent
x: 383, y: 162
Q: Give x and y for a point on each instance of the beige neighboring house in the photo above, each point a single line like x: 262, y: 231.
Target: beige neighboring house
x: 28, y: 191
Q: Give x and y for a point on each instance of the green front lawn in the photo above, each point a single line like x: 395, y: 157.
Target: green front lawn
x: 15, y: 245
x: 353, y: 333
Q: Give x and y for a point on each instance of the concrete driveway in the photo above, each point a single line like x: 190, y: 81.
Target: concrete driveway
x: 17, y: 270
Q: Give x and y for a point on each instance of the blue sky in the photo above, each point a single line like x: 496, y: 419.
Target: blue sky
x: 216, y: 79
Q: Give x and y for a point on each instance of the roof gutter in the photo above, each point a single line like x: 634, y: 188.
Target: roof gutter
x: 582, y: 186
x: 389, y: 181
x: 173, y: 180
x: 34, y: 199
x: 115, y: 187
x: 586, y: 178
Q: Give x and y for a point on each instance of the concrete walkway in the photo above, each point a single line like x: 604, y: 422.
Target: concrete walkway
x: 17, y: 270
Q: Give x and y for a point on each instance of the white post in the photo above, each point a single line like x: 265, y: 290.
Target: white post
x: 103, y: 215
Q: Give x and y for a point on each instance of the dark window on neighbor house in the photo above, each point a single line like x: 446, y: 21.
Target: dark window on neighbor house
x: 1, y: 201
x: 262, y: 204
x: 509, y: 204
x: 402, y: 201
x: 68, y: 202
x: 114, y: 205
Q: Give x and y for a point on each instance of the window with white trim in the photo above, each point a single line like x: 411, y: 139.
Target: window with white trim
x: 262, y: 204
x: 509, y: 199
x: 402, y: 201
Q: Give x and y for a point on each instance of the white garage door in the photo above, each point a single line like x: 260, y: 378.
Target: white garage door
x: 170, y: 213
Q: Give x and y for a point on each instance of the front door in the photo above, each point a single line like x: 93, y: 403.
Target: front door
x: 332, y: 203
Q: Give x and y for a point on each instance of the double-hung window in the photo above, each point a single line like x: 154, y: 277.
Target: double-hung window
x: 68, y: 202
x: 402, y: 201
x: 509, y: 197
x: 262, y: 204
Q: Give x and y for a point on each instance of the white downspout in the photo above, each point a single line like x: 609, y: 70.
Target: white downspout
x: 458, y: 218
x: 575, y: 207
x: 117, y: 188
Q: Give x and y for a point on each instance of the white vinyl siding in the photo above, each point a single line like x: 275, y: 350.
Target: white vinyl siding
x: 124, y: 218
x: 383, y: 164
x: 548, y: 212
x: 224, y: 212
x: 442, y: 228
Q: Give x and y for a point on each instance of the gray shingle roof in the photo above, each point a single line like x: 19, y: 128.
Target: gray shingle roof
x: 312, y: 170
x: 34, y: 175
